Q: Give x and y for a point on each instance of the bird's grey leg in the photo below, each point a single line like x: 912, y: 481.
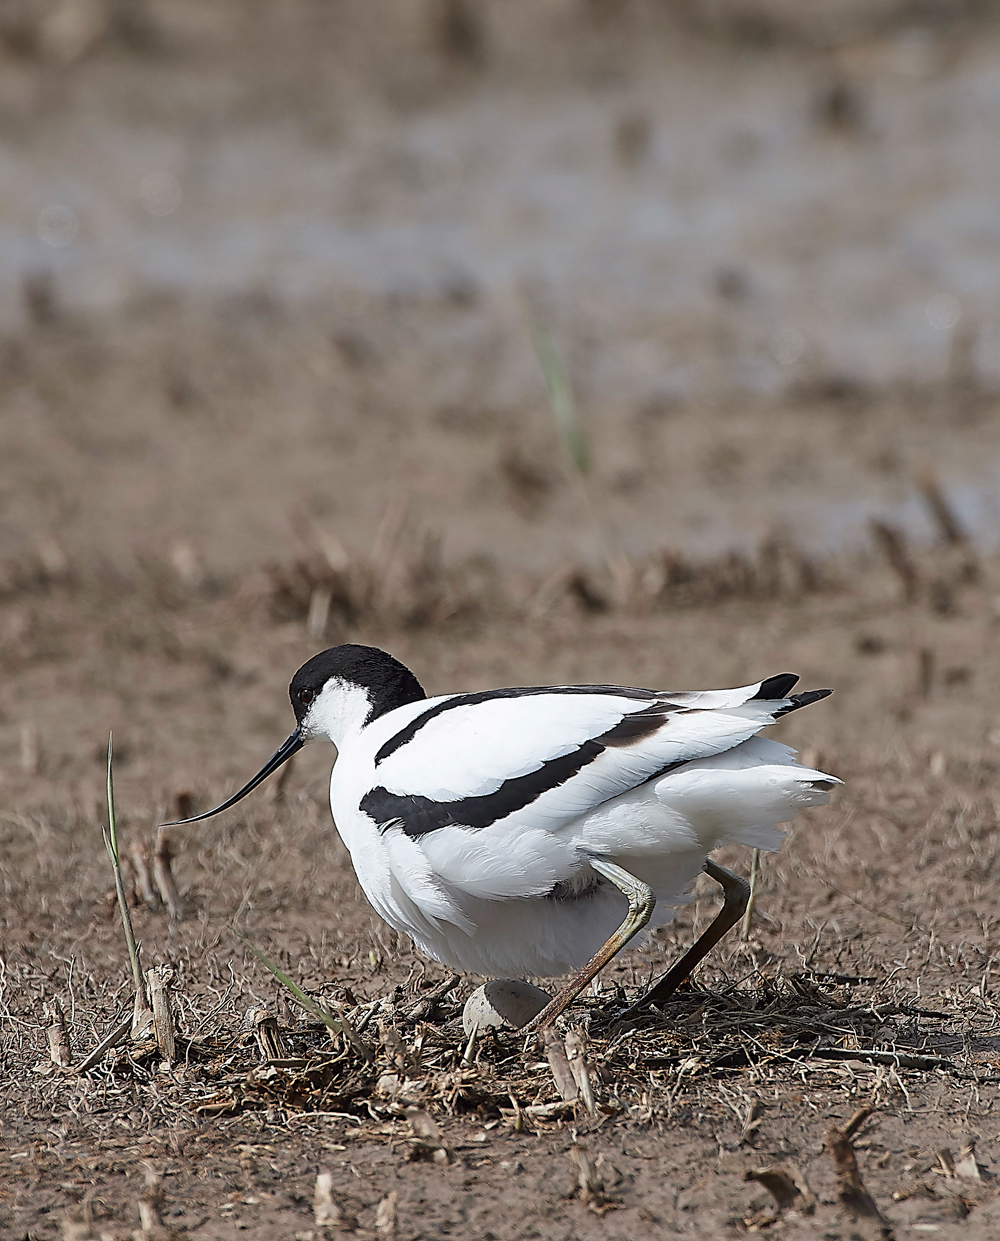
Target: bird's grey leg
x: 737, y: 892
x: 641, y: 902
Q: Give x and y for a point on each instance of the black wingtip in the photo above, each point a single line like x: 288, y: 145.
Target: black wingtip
x: 776, y: 687
x: 803, y: 700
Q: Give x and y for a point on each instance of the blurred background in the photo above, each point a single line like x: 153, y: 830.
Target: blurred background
x: 274, y: 273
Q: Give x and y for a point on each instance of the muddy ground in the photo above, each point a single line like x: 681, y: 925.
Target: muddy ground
x: 875, y: 933
x: 196, y: 496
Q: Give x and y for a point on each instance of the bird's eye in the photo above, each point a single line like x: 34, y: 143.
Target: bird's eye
x: 306, y: 695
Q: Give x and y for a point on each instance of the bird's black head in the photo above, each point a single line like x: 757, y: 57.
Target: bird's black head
x: 387, y: 682
x: 338, y: 691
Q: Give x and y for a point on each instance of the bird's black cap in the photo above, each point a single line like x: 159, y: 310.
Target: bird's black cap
x: 389, y: 683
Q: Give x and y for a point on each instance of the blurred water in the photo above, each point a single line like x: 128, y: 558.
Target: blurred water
x: 718, y: 230
x: 735, y: 241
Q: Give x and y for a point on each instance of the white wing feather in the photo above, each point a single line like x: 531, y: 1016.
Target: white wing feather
x: 471, y: 751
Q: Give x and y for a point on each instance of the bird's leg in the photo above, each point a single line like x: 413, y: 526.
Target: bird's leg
x: 737, y: 892
x: 641, y: 902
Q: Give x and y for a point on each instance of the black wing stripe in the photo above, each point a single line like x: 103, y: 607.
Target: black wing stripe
x: 523, y: 691
x: 419, y: 815
x: 638, y: 725
x: 776, y: 687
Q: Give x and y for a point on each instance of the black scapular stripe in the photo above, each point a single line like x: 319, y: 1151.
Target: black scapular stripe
x: 419, y: 815
x: 638, y: 725
x: 522, y: 691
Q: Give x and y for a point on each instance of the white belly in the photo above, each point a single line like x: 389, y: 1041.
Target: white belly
x: 481, y: 899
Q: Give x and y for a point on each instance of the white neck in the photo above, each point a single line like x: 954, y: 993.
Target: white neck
x: 339, y: 712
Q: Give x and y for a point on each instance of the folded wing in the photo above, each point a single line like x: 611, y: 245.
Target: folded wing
x: 542, y: 757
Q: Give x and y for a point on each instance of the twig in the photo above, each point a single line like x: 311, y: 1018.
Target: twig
x: 562, y: 1075
x: 151, y: 1202
x: 851, y: 1190
x: 268, y: 1036
x: 894, y: 547
x: 159, y: 979
x: 59, y: 1050
x: 576, y: 1049
x: 590, y: 1184
x: 853, y: 1126
x: 165, y: 876
x: 385, y: 1216
x: 319, y: 612
x: 950, y: 528
x: 326, y: 1212
x: 140, y: 864
x: 896, y: 1059
x: 118, y: 1035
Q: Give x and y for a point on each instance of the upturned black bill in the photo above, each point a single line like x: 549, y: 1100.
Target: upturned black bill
x: 294, y: 743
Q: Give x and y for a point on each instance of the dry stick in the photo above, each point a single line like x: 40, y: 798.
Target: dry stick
x: 589, y: 1183
x: 949, y: 526
x: 142, y: 1015
x: 159, y: 979
x: 752, y: 901
x: 319, y: 612
x: 268, y: 1036
x: 470, y: 1047
x: 325, y: 1210
x: 576, y: 1055
x: 853, y: 1126
x: 967, y: 1168
x: 753, y: 1121
x: 59, y: 1051
x: 118, y: 1035
x: 385, y: 1216
x: 894, y: 546
x: 151, y: 1202
x: 140, y: 864
x: 555, y: 1052
x: 851, y: 1190
x: 164, y: 875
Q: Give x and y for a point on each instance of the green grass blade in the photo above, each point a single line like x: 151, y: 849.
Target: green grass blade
x: 111, y: 844
x: 337, y: 1025
x: 571, y: 434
